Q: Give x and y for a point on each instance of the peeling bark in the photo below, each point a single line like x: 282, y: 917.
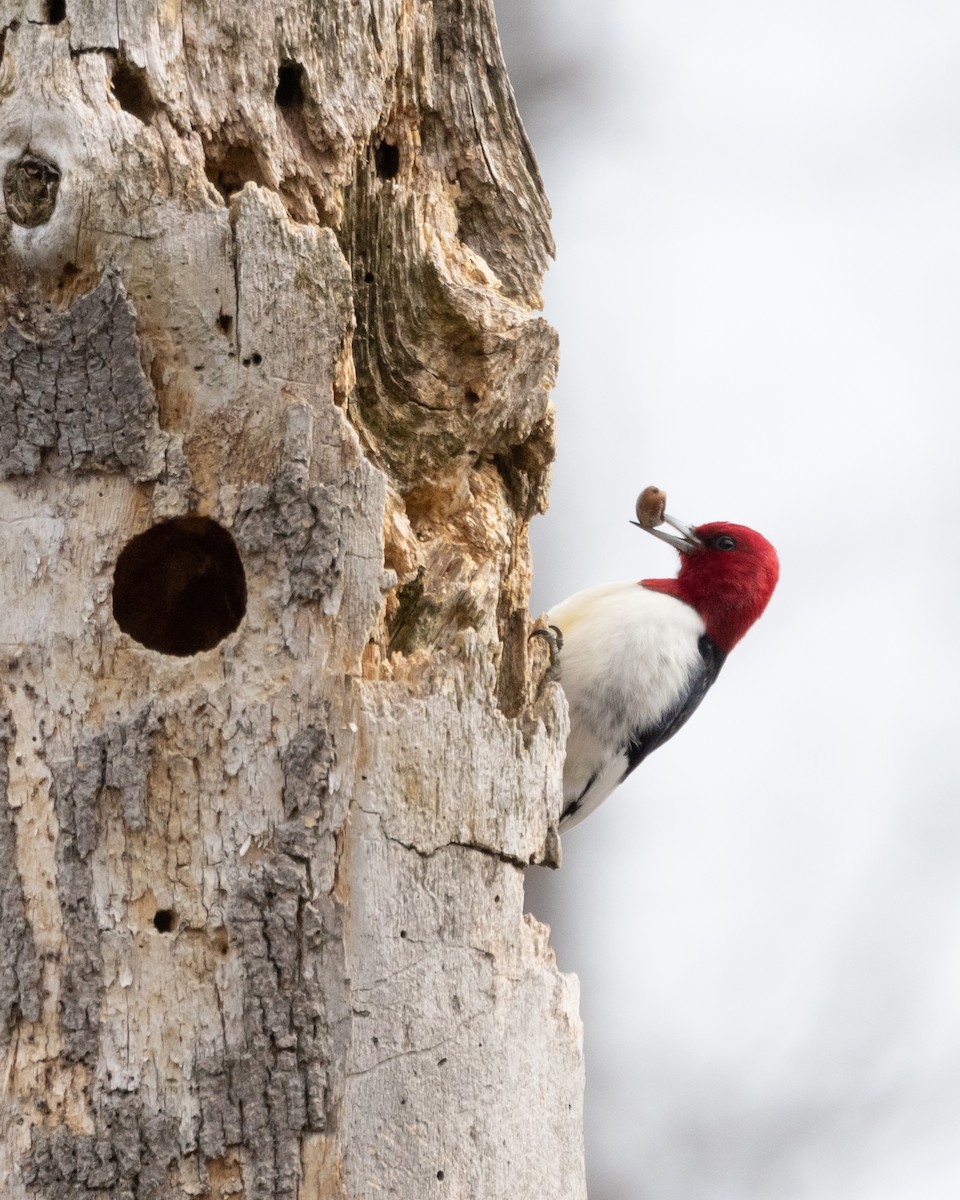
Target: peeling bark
x: 275, y: 266
x: 73, y: 390
x: 19, y: 969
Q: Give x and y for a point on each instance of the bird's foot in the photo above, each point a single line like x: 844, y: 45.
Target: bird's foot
x: 553, y: 636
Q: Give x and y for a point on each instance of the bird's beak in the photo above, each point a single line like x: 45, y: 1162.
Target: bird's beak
x: 686, y: 543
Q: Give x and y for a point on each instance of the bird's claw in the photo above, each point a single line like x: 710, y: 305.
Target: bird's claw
x: 553, y: 636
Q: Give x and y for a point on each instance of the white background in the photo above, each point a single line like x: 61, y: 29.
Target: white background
x: 757, y: 289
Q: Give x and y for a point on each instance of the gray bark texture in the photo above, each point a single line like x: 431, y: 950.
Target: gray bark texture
x: 274, y: 753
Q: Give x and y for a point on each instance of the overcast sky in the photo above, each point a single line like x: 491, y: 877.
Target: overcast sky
x: 757, y: 289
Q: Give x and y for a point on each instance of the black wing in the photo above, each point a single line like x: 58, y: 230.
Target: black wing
x: 644, y: 741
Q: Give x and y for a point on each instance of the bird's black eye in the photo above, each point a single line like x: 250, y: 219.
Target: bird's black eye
x: 724, y: 542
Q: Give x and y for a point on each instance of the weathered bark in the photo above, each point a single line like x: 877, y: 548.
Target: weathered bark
x: 273, y: 265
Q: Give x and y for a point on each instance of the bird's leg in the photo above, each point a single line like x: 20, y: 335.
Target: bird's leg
x: 553, y: 637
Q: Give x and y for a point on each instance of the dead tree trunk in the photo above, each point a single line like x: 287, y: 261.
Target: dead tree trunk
x: 273, y: 419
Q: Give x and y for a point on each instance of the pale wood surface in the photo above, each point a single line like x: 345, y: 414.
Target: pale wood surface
x: 310, y: 315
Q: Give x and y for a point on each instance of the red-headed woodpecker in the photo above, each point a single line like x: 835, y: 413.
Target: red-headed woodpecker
x: 635, y: 659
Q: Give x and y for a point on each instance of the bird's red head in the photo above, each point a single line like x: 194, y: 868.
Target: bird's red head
x: 727, y: 573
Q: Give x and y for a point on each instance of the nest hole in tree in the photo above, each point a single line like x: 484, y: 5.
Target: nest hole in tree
x: 165, y: 920
x: 180, y: 587
x: 289, y: 93
x: 387, y: 157
x: 132, y: 91
x: 229, y: 167
x: 56, y: 11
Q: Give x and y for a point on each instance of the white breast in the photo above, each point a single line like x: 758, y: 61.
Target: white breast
x: 628, y: 655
